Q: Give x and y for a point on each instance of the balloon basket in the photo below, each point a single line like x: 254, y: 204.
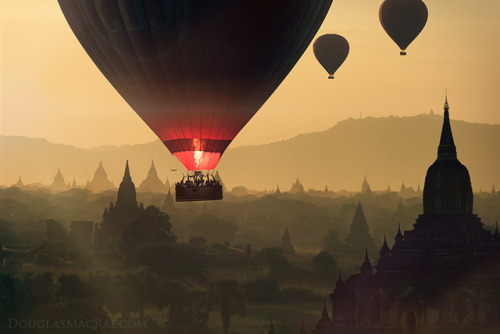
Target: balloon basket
x: 196, y: 188
x: 330, y: 77
x: 198, y: 193
x: 402, y: 53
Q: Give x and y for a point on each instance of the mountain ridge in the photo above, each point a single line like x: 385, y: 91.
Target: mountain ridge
x: 387, y: 150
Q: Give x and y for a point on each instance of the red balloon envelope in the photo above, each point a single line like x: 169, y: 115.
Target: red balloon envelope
x: 195, y: 71
x: 403, y: 20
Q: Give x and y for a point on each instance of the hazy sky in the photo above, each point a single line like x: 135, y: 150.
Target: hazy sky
x: 50, y: 88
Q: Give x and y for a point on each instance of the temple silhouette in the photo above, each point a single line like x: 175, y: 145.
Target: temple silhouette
x: 359, y: 236
x: 365, y: 187
x: 443, y: 276
x: 297, y: 187
x: 58, y: 184
x: 152, y: 182
x: 100, y: 182
x: 125, y: 210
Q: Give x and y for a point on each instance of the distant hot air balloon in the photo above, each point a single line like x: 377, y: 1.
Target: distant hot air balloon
x: 403, y: 20
x: 195, y: 71
x: 331, y: 50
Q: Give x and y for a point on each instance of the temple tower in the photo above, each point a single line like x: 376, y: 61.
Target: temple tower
x: 126, y: 191
x: 447, y: 188
x: 359, y: 236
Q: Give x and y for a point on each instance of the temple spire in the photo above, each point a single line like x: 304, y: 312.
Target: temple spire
x: 126, y: 191
x: 325, y: 321
x: 126, y: 175
x: 385, y: 246
x: 366, y: 267
x: 446, y: 149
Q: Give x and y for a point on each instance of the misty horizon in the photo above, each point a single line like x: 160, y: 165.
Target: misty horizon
x: 245, y: 159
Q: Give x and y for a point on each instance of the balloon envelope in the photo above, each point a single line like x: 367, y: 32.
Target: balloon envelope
x: 331, y: 50
x: 403, y: 20
x: 195, y: 71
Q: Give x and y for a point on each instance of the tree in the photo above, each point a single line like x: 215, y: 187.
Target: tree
x: 228, y: 295
x: 324, y: 263
x: 72, y: 287
x: 332, y: 243
x: 133, y: 290
x: 262, y: 290
x: 7, y: 234
x: 74, y: 300
x: 188, y: 308
x: 12, y: 299
x: 274, y: 258
x: 152, y: 226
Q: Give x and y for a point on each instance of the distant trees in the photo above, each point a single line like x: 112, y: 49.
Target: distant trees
x: 60, y: 253
x: 152, y: 226
x: 324, y: 264
x: 268, y: 290
x: 7, y: 234
x: 150, y: 241
x: 129, y: 293
x: 44, y: 298
x: 187, y: 308
x: 273, y: 258
x: 332, y: 242
x: 214, y: 229
x: 262, y: 290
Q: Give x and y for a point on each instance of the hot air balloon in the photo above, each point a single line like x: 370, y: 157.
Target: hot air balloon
x: 403, y: 20
x: 331, y: 50
x: 195, y: 71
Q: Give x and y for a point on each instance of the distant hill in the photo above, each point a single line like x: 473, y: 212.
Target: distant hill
x: 385, y: 150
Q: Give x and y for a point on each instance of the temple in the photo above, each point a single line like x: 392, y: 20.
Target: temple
x: 100, y: 181
x: 58, y: 184
x: 443, y: 276
x: 152, y: 182
x: 114, y: 218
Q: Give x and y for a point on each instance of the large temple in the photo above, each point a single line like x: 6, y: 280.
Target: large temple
x: 443, y: 276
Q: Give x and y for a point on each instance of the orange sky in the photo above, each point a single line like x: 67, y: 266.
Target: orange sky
x: 50, y: 88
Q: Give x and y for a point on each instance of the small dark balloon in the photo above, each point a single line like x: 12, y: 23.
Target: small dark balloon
x: 403, y: 20
x: 331, y: 50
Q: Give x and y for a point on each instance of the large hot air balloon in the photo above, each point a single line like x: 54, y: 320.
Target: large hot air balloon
x: 331, y: 50
x: 403, y: 20
x: 195, y: 71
